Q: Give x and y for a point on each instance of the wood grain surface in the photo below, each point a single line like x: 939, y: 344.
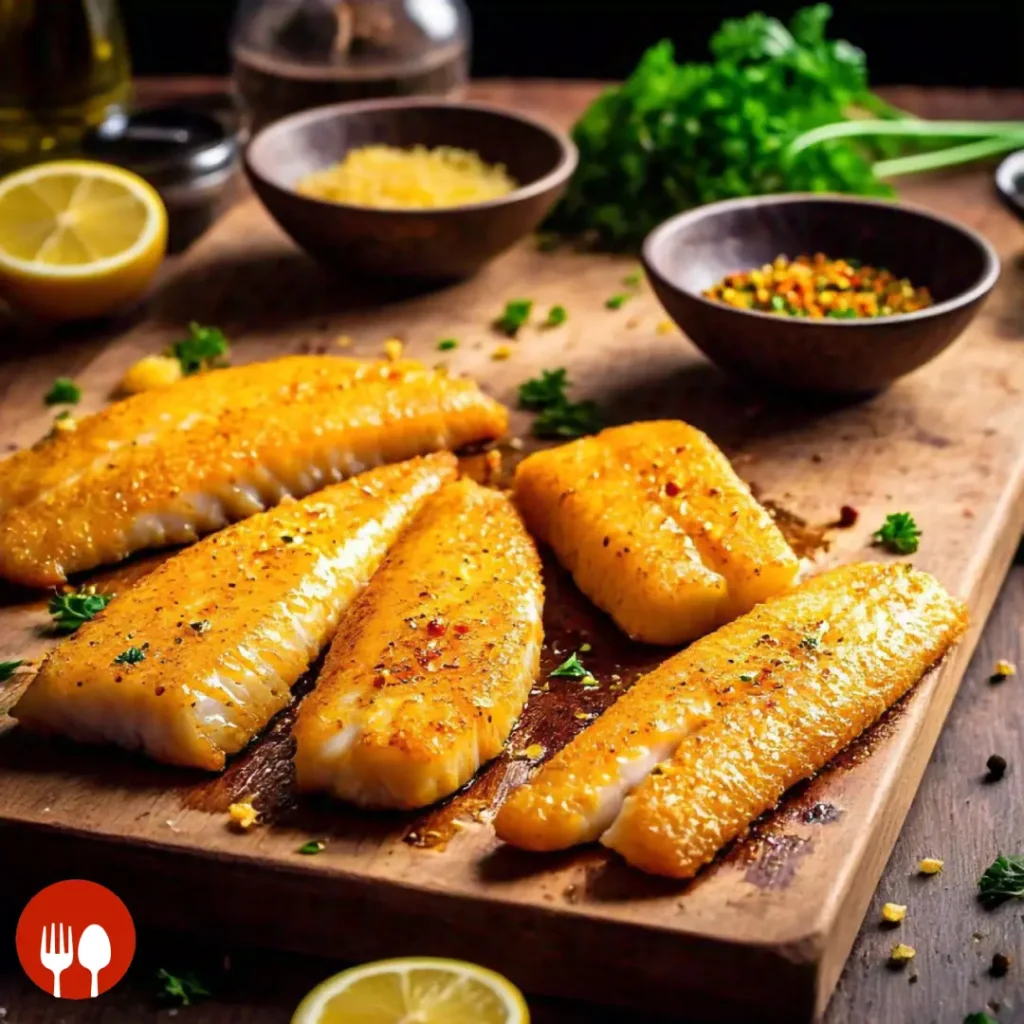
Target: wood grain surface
x: 782, y: 909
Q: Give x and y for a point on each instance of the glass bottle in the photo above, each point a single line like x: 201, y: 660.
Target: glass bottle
x: 290, y: 55
x: 64, y: 67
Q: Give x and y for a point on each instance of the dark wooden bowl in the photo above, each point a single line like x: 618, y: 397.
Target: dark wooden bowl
x: 694, y: 250
x: 433, y: 244
x: 1010, y: 183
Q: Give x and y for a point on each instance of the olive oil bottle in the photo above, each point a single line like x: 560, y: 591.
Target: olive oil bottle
x: 64, y: 67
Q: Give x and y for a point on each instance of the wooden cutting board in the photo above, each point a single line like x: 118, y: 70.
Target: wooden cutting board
x: 764, y: 932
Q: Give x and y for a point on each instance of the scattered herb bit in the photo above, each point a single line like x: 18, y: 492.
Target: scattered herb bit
x: 930, y: 865
x: 996, y: 765
x: 893, y: 913
x: 979, y: 1018
x: 447, y: 344
x: 313, y: 847
x: 571, y: 668
x: 131, y: 656
x: 8, y: 668
x: 747, y: 677
x: 557, y: 315
x: 287, y: 538
x: 1000, y: 965
x: 899, y: 533
x: 585, y: 648
x: 203, y: 349
x: 63, y: 391
x: 1003, y: 880
x: 502, y: 352
x: 1003, y: 670
x: 547, y: 241
x: 558, y: 417
x: 633, y: 280
x: 589, y: 682
x: 901, y: 954
x: 184, y: 987
x: 69, y: 611
x: 810, y: 642
x: 517, y: 312
x: 617, y: 301
x: 202, y: 626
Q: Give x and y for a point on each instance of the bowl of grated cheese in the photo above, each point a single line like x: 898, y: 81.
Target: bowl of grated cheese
x: 409, y: 188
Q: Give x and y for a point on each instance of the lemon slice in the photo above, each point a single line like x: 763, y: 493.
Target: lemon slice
x: 414, y: 990
x: 78, y: 238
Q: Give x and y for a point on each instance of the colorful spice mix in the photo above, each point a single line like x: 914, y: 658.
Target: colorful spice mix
x: 816, y: 286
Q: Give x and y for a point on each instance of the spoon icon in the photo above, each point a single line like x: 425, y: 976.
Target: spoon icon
x: 94, y: 953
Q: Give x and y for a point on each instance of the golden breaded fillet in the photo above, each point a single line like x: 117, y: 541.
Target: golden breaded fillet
x: 747, y: 711
x: 433, y: 664
x: 240, y: 462
x: 192, y: 662
x: 145, y: 420
x: 656, y: 529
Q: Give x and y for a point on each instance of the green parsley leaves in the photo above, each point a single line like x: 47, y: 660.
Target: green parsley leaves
x: 185, y: 988
x: 557, y: 315
x: 8, y: 668
x: 573, y: 668
x: 899, y: 534
x: 515, y: 315
x: 203, y: 349
x: 617, y: 301
x: 1003, y: 880
x: 447, y: 344
x: 131, y: 656
x: 557, y: 416
x: 63, y: 391
x: 69, y: 611
x: 979, y: 1018
x: 313, y: 847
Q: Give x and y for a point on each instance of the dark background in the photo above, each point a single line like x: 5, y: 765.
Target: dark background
x: 978, y: 43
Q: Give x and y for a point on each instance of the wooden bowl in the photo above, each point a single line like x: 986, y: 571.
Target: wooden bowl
x: 440, y: 244
x: 694, y: 250
x: 1010, y: 183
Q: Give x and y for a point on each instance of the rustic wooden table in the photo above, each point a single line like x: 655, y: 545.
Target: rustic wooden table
x: 957, y: 815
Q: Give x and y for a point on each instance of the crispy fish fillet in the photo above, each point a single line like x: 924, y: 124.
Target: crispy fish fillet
x: 433, y: 664
x: 192, y: 662
x: 235, y: 464
x: 144, y: 420
x: 656, y: 529
x: 742, y: 715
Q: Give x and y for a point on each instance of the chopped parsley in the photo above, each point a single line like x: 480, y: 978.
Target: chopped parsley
x: 979, y: 1018
x: 571, y: 668
x: 633, y: 280
x: 899, y: 534
x: 747, y: 677
x: 557, y: 315
x: 63, y: 391
x: 313, y: 847
x: 1003, y: 880
x: 557, y: 416
x: 131, y: 656
x: 447, y: 344
x: 810, y: 642
x: 69, y: 611
x: 617, y: 301
x: 203, y: 349
x: 517, y: 312
x: 8, y: 668
x: 186, y: 988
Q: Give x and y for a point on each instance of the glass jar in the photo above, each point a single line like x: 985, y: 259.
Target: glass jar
x: 64, y: 67
x: 290, y: 55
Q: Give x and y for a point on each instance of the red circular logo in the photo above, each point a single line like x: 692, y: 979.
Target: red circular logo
x: 75, y: 939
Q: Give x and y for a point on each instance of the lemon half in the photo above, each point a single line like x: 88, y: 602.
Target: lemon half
x: 414, y: 990
x: 78, y: 238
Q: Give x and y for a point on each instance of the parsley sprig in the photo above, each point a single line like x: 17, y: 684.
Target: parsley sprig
x: 69, y: 611
x: 63, y: 391
x: 514, y: 316
x: 185, y: 988
x: 1003, y: 880
x: 8, y: 668
x: 203, y: 349
x: 899, y: 534
x: 557, y: 416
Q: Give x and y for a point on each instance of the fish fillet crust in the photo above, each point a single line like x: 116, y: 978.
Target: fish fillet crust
x: 656, y: 529
x: 235, y: 463
x: 433, y: 664
x: 226, y: 627
x: 710, y: 739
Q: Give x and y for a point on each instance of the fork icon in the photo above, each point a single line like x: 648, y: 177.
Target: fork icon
x: 58, y: 955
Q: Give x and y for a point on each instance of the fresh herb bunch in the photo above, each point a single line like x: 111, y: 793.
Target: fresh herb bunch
x: 899, y: 534
x: 186, y: 988
x: 557, y: 417
x: 69, y: 611
x: 203, y: 349
x: 1003, y: 880
x: 677, y: 135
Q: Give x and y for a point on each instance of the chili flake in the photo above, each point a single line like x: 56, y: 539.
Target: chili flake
x: 817, y: 286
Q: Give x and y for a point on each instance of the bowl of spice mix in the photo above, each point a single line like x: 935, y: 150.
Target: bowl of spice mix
x: 819, y: 293
x: 409, y: 188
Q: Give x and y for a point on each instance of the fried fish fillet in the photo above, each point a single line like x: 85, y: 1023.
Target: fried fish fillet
x: 147, y: 419
x: 433, y: 664
x: 710, y: 739
x: 656, y: 529
x: 235, y: 463
x: 193, y: 661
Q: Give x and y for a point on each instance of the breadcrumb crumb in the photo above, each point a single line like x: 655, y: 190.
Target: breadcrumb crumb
x: 894, y: 912
x: 393, y: 348
x: 151, y: 373
x: 930, y: 865
x: 501, y: 353
x: 243, y: 815
x: 901, y: 953
x: 1004, y: 669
